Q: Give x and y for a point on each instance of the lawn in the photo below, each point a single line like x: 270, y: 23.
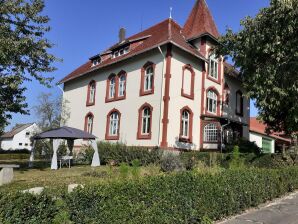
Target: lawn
x: 25, y: 178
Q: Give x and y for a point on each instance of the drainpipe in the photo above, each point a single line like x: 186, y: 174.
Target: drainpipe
x: 161, y: 88
x: 221, y: 134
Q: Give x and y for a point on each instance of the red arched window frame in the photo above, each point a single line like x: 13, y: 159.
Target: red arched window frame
x: 239, y: 103
x: 192, y: 87
x: 88, y: 101
x: 107, y: 135
x: 86, y: 122
x: 190, y: 125
x: 121, y: 73
x: 140, y: 135
x: 212, y: 88
x: 219, y: 65
x: 116, y: 96
x: 144, y: 92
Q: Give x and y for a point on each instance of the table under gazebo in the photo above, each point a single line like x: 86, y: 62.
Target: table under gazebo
x: 70, y: 135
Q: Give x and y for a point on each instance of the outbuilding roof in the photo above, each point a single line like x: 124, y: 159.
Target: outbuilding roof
x: 17, y: 129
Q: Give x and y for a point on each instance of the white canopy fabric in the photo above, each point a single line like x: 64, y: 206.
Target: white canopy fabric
x: 95, y: 159
x: 54, y: 163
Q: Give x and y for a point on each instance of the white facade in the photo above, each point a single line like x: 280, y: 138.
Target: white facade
x: 20, y: 140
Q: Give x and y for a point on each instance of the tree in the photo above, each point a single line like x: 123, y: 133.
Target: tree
x: 23, y: 53
x: 52, y: 112
x: 265, y: 51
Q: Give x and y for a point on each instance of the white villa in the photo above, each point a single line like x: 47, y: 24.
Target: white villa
x: 19, y: 137
x: 161, y: 87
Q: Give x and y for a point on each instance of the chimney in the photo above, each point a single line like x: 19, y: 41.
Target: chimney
x: 122, y: 33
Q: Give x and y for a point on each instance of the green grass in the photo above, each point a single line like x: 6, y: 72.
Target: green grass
x: 25, y: 178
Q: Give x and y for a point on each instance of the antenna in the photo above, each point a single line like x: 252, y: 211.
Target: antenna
x: 171, y: 9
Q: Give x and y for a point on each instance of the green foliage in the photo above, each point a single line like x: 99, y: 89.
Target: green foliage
x: 85, y: 155
x: 118, y: 153
x: 135, y: 168
x: 236, y: 162
x: 23, y: 53
x: 245, y: 146
x: 170, y: 162
x: 183, y: 197
x: 124, y: 170
x: 266, y: 51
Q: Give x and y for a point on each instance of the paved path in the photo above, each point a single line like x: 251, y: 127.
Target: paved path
x: 282, y: 211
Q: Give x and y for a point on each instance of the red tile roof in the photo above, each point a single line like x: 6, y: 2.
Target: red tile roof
x: 167, y: 31
x: 200, y: 21
x: 259, y: 127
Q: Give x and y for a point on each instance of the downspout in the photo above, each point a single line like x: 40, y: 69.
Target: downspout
x: 161, y: 88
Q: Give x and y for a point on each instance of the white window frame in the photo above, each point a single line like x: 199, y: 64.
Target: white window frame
x: 185, y: 122
x: 146, y: 121
x: 112, y: 87
x: 122, y: 80
x: 211, y: 102
x: 148, y: 79
x: 114, y: 124
x: 92, y: 93
x: 211, y: 133
x: 213, y: 66
x: 89, y: 124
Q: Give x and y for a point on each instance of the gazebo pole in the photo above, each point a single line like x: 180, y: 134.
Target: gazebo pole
x: 31, y: 159
x: 95, y: 159
x: 54, y: 163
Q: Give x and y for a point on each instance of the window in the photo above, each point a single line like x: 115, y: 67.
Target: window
x: 145, y: 121
x: 213, y: 66
x: 188, y: 82
x: 239, y: 103
x: 95, y: 61
x: 121, y: 52
x: 211, y: 102
x: 122, y: 80
x: 266, y: 145
x: 27, y: 134
x: 210, y: 133
x: 20, y: 144
x: 113, y: 125
x: 26, y: 144
x: 116, y: 87
x: 186, y: 124
x: 147, y: 79
x: 89, y: 123
x: 91, y: 93
x: 112, y: 87
x: 226, y: 98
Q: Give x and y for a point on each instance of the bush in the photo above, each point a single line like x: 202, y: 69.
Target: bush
x: 120, y: 153
x: 170, y: 162
x: 245, y: 146
x: 184, y: 197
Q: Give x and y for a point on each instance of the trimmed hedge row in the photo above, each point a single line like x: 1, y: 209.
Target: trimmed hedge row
x: 14, y: 156
x: 184, y: 197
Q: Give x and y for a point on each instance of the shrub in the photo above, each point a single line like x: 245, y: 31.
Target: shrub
x: 124, y: 170
x: 184, y: 197
x: 236, y: 162
x: 118, y: 153
x: 245, y: 146
x: 170, y: 162
x: 85, y: 155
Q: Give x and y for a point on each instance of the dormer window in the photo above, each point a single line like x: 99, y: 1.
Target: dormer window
x: 95, y: 61
x: 121, y: 52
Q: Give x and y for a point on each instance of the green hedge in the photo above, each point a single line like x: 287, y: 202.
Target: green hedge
x: 175, y: 198
x: 17, y: 156
x: 120, y: 153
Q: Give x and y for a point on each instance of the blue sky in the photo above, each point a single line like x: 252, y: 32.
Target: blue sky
x: 83, y: 28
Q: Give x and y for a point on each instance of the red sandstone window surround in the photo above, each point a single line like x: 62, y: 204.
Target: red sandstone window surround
x: 186, y: 124
x: 188, y: 85
x: 113, y: 125
x: 116, y: 87
x: 91, y: 93
x: 145, y: 122
x: 212, y: 102
x: 147, y: 79
x: 89, y: 118
x: 214, y: 68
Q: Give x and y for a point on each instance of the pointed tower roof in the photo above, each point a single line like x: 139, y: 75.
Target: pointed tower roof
x: 200, y: 21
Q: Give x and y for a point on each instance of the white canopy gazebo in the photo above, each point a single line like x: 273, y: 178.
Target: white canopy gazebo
x: 69, y: 134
